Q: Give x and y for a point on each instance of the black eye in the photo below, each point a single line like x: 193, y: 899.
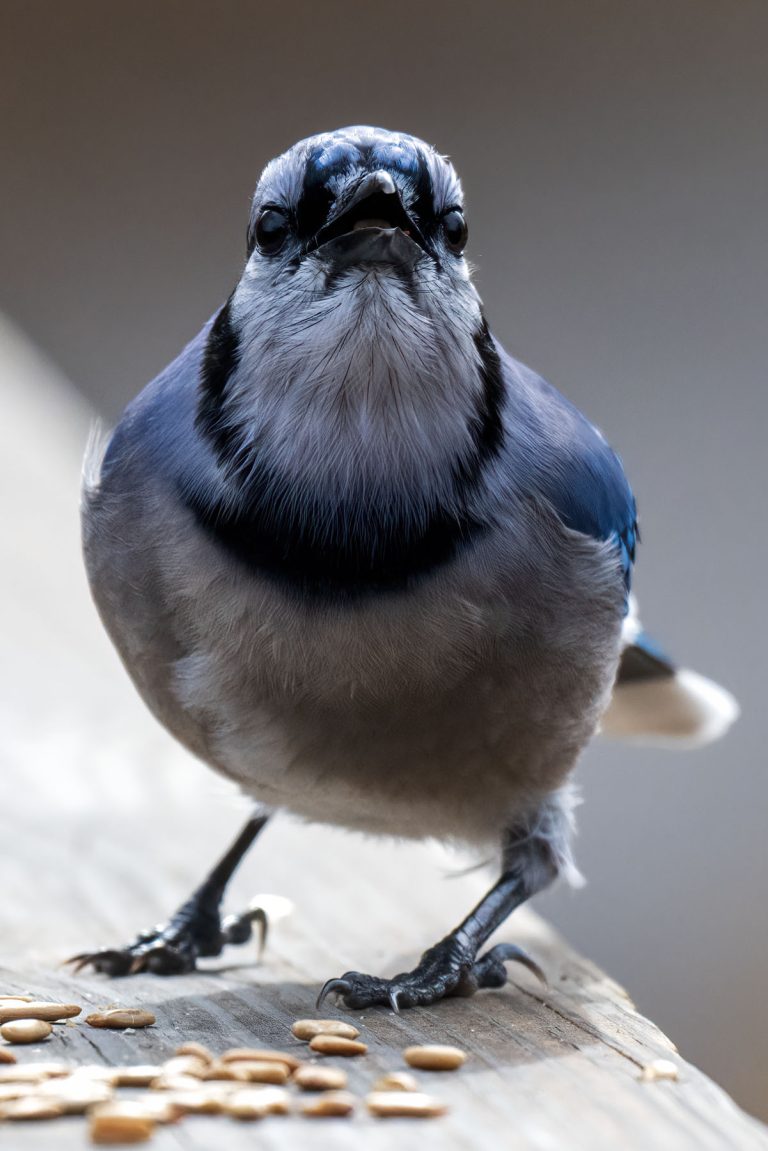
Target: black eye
x: 455, y: 230
x: 271, y: 230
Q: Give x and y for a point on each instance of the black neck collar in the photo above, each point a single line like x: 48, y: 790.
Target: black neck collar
x: 339, y: 551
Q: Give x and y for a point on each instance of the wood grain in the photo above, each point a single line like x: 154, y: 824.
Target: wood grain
x: 106, y: 825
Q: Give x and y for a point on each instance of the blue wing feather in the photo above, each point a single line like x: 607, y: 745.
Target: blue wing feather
x: 573, y: 466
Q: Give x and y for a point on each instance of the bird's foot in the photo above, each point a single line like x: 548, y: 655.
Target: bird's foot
x: 195, y: 931
x: 446, y: 969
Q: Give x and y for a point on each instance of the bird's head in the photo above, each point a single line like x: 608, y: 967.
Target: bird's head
x: 352, y: 354
x: 357, y: 198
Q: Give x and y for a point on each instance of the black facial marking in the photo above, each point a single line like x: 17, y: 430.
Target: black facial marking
x: 316, y: 198
x: 345, y: 549
x: 422, y: 205
x: 488, y: 424
x: 330, y: 162
x: 220, y: 359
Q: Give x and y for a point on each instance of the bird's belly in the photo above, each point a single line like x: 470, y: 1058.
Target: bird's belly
x: 441, y: 718
x: 439, y: 711
x: 459, y: 767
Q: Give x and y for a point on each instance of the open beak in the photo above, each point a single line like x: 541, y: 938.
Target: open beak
x: 372, y: 225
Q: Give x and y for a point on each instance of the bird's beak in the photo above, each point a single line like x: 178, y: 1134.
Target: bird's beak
x: 371, y: 225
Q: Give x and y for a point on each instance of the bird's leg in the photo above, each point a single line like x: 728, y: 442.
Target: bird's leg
x: 533, y: 855
x: 195, y: 930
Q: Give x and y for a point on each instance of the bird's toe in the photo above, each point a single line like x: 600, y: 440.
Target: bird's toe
x: 490, y: 969
x: 174, y: 948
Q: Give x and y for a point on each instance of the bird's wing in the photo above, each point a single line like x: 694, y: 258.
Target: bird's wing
x: 563, y: 457
x: 655, y: 701
x: 570, y: 463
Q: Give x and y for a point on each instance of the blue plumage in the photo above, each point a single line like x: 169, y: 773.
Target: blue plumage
x: 572, y: 465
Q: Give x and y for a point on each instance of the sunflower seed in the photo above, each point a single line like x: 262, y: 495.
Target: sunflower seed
x: 26, y: 1030
x: 308, y: 1028
x: 435, y: 1057
x: 328, y: 1105
x: 336, y: 1045
x: 413, y: 1104
x: 121, y: 1017
x: 312, y: 1078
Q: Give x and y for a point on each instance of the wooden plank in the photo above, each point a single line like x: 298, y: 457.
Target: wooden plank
x: 106, y: 825
x: 547, y: 1069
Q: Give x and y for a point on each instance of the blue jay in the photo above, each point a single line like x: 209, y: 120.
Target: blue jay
x: 368, y: 566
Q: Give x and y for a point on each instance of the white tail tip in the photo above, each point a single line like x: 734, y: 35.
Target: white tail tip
x: 683, y: 710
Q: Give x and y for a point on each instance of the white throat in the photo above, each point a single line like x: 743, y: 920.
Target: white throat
x: 362, y: 390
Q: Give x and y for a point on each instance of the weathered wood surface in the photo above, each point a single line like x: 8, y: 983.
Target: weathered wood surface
x: 105, y: 826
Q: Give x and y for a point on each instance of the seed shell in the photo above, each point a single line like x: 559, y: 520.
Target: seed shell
x: 186, y: 1065
x: 409, y: 1104
x: 308, y: 1028
x: 26, y: 1030
x: 120, y: 1123
x: 260, y: 1071
x: 31, y: 1107
x: 225, y: 1071
x: 256, y: 1102
x: 397, y: 1081
x: 140, y: 1075
x: 175, y: 1083
x: 121, y: 1017
x: 95, y: 1073
x: 310, y: 1077
x: 16, y: 1090
x: 74, y: 1095
x: 337, y: 1045
x: 435, y: 1057
x: 204, y: 1101
x: 160, y: 1108
x: 259, y: 1054
x: 659, y: 1069
x: 329, y: 1104
x: 33, y: 1009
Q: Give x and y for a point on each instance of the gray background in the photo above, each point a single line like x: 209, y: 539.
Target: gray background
x: 614, y: 160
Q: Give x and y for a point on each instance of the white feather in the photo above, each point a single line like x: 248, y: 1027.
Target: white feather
x: 95, y: 450
x: 685, y: 711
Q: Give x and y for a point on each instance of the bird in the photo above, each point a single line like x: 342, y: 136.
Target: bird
x: 371, y: 568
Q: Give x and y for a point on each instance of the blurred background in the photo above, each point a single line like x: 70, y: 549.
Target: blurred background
x: 614, y: 160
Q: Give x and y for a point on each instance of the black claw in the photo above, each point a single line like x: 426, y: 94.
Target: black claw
x: 510, y: 952
x: 339, y: 986
x: 173, y: 948
x: 394, y: 1000
x: 239, y: 928
x: 259, y: 915
x: 108, y: 961
x: 78, y: 962
x: 489, y: 969
x: 81, y: 960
